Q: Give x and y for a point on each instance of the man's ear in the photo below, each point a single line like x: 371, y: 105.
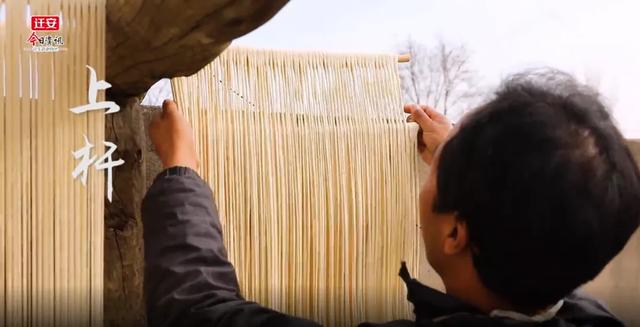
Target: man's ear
x: 457, y: 239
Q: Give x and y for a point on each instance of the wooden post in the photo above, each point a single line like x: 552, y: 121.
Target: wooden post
x: 123, y: 248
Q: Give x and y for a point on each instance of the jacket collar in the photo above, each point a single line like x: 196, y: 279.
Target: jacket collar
x: 429, y: 303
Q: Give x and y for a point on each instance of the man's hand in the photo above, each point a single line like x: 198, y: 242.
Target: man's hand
x: 434, y: 128
x: 172, y: 138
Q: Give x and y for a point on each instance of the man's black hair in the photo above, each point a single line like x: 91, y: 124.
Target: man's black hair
x: 546, y: 185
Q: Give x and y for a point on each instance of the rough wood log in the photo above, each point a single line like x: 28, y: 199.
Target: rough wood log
x: 149, y: 39
x: 123, y: 248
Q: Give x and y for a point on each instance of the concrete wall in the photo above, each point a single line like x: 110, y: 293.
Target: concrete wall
x: 618, y: 286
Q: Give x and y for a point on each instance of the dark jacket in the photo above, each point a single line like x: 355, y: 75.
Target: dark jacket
x: 190, y: 282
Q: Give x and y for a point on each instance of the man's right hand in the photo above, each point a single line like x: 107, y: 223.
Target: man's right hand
x: 434, y: 128
x: 172, y: 138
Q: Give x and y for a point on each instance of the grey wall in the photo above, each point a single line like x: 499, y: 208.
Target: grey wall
x: 618, y: 286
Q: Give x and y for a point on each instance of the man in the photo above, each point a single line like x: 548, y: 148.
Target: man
x: 528, y: 198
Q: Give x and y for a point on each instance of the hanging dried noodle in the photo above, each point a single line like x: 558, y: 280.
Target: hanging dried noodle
x: 51, y: 227
x: 312, y: 167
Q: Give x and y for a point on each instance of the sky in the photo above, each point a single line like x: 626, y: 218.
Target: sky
x: 597, y: 41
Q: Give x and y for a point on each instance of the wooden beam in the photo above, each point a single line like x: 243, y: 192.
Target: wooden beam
x: 148, y: 40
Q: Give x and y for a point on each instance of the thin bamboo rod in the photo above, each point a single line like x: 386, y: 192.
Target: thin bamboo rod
x: 404, y: 58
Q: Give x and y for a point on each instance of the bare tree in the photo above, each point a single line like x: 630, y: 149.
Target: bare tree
x: 438, y: 76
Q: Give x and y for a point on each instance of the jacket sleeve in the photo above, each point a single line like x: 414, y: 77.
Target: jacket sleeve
x: 188, y: 279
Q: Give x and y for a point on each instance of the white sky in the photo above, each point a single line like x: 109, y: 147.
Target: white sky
x: 598, y: 41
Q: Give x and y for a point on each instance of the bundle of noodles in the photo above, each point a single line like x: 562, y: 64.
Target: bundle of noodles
x: 313, y: 170
x: 51, y: 226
